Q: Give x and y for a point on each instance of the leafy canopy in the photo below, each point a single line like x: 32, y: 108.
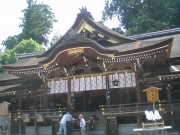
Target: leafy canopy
x: 37, y: 22
x: 11, y: 41
x: 142, y: 16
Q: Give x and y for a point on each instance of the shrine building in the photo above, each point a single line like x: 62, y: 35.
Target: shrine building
x: 94, y: 71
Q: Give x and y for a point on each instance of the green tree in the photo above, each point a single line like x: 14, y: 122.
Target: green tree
x: 144, y: 24
x: 55, y: 38
x: 173, y: 13
x: 37, y: 22
x: 25, y: 46
x: 119, y: 30
x: 11, y: 41
x: 142, y: 16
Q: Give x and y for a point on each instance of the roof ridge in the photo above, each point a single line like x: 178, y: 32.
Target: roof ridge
x: 156, y: 34
x: 28, y: 55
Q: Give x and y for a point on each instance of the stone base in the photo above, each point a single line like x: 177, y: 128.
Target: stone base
x: 90, y: 133
x: 41, y: 130
x: 127, y: 129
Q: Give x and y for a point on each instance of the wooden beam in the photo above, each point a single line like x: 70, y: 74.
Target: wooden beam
x: 138, y: 121
x: 20, y: 102
x: 20, y: 121
x: 35, y: 127
x: 27, y: 101
x: 64, y: 105
x: 35, y: 100
x: 129, y: 94
x: 40, y: 98
x: 168, y: 91
x: 44, y: 99
x: 137, y: 88
x: 107, y: 81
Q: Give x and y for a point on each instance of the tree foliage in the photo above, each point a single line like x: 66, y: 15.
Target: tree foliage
x: 119, y: 30
x: 25, y: 46
x: 11, y: 41
x: 37, y: 22
x: 142, y: 16
x: 55, y: 38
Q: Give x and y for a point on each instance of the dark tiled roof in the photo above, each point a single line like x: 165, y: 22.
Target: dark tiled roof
x: 78, y: 38
x: 156, y: 34
x: 175, y: 49
x: 164, y: 69
x: 7, y: 76
x: 27, y: 55
x: 2, y: 88
x: 71, y: 41
x: 111, y: 31
x: 96, y: 24
x: 26, y: 62
x: 21, y: 86
x: 136, y: 45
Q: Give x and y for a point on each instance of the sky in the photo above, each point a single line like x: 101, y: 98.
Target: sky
x: 65, y: 13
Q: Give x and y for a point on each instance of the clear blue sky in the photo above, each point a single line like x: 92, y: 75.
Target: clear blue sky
x: 65, y: 12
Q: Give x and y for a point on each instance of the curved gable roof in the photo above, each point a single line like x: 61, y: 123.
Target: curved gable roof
x: 95, y: 25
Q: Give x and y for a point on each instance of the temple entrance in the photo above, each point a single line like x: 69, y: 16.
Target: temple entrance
x: 123, y: 96
x: 89, y: 100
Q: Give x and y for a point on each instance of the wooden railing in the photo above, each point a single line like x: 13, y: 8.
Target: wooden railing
x: 45, y: 112
x: 173, y: 105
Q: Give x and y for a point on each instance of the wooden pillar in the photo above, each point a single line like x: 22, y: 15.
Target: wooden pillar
x: 129, y: 92
x: 107, y: 89
x: 20, y: 121
x: 138, y: 121
x: 120, y: 96
x: 35, y: 100
x: 27, y: 101
x: 20, y: 102
x: 138, y: 88
x: 138, y: 91
x: 64, y: 100
x: 128, y: 95
x: 40, y: 98
x: 44, y: 100
x: 117, y: 96
x: 69, y: 96
x: 172, y: 120
x: 84, y: 101
x: 45, y: 97
x: 35, y: 127
x: 113, y: 96
x: 168, y: 95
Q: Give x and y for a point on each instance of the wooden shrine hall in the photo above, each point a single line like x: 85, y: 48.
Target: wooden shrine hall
x: 98, y: 72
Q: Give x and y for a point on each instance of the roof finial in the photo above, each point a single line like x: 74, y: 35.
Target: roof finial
x: 83, y: 10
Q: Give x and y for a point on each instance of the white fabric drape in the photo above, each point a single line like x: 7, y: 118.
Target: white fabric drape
x: 152, y: 116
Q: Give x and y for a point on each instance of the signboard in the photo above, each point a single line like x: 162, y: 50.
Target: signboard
x: 152, y: 94
x: 4, y: 108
